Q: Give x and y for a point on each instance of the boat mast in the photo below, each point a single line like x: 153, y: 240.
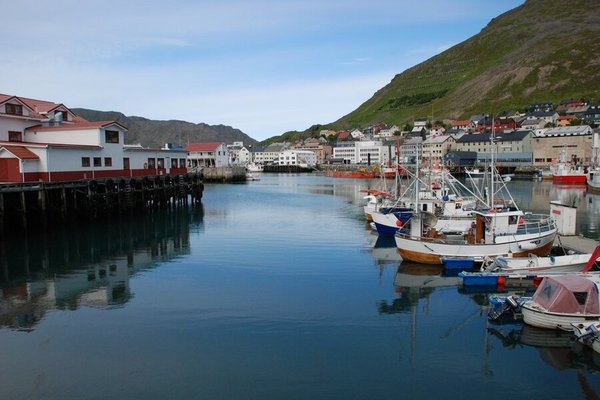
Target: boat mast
x: 492, y: 167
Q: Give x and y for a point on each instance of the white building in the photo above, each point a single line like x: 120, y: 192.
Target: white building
x: 210, y: 154
x: 271, y: 153
x: 360, y: 152
x: 411, y: 149
x: 42, y: 140
x: 303, y: 158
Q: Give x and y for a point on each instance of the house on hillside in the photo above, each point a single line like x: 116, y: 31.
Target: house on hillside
x: 565, y: 120
x: 45, y: 141
x: 544, y: 106
x: 205, y: 155
x: 592, y: 115
x: 356, y: 134
x: 533, y: 124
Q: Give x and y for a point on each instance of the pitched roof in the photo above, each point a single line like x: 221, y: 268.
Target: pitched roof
x: 74, y: 126
x: 208, y: 146
x: 38, y: 107
x: 20, y: 152
x: 501, y: 137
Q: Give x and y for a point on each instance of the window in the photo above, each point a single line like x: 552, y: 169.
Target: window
x: 111, y: 137
x: 14, y: 136
x: 182, y: 163
x: 126, y: 163
x: 161, y: 163
x: 151, y: 162
x: 97, y: 161
x: 14, y: 109
x: 173, y: 163
x: 107, y: 161
x: 85, y: 161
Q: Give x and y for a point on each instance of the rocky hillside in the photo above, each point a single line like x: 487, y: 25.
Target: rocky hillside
x: 151, y: 133
x: 543, y: 50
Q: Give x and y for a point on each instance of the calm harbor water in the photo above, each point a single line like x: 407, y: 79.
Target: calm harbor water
x: 272, y: 289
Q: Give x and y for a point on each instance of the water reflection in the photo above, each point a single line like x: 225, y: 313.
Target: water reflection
x: 555, y: 348
x: 90, y: 267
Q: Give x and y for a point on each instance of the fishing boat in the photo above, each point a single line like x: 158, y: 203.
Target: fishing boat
x: 474, y: 173
x: 593, y: 180
x: 535, y: 264
x: 564, y: 301
x: 253, y: 167
x: 498, y: 229
x: 565, y: 173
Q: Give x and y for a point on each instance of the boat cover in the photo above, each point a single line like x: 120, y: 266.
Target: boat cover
x: 568, y: 294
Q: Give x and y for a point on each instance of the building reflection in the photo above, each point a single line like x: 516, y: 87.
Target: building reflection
x: 86, y: 266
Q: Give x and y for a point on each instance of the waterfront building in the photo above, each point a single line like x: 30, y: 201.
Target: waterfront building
x: 321, y: 149
x: 270, y: 154
x: 511, y: 148
x: 238, y: 154
x: 209, y: 154
x: 361, y: 152
x: 45, y: 141
x: 549, y: 143
x: 303, y: 158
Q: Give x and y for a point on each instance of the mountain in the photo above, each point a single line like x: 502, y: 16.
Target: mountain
x: 151, y: 133
x: 543, y: 50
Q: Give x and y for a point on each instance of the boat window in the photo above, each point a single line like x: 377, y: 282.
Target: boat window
x: 458, y: 205
x: 513, y: 219
x: 581, y: 297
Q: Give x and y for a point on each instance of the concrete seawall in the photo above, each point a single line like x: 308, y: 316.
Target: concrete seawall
x: 224, y: 174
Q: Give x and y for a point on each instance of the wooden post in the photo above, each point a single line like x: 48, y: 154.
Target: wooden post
x: 23, y: 209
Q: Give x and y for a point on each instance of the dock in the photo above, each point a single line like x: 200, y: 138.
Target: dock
x: 44, y: 204
x: 576, y: 243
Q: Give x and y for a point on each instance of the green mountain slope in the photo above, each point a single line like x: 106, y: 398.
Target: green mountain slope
x: 543, y: 50
x: 152, y: 133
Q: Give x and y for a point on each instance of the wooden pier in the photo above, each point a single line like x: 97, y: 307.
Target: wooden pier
x: 39, y: 204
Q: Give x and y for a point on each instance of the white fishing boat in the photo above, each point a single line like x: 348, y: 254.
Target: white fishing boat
x: 500, y: 229
x: 250, y: 176
x: 535, y: 264
x: 475, y: 173
x: 564, y: 301
x: 253, y: 167
x: 593, y: 180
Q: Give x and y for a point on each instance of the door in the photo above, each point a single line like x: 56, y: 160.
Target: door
x: 9, y: 170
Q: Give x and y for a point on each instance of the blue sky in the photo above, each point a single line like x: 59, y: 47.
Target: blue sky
x: 262, y: 66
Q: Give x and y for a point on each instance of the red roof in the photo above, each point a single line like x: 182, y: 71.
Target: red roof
x: 74, y: 126
x: 21, y: 152
x: 38, y: 106
x: 209, y: 146
x: 343, y: 135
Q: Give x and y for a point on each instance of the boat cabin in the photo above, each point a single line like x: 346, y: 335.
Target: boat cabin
x: 494, y: 222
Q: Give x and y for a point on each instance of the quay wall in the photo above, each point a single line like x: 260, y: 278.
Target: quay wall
x: 224, y: 174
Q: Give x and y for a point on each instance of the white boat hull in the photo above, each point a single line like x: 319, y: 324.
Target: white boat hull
x: 535, y: 315
x: 534, y: 264
x: 431, y: 251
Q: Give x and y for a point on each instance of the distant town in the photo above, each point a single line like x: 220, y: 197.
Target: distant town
x: 45, y: 141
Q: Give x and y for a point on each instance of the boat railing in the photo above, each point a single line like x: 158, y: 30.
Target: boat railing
x: 537, y: 224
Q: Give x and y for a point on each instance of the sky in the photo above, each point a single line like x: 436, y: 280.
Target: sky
x: 262, y: 66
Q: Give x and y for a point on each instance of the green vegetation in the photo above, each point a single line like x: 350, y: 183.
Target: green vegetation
x: 543, y: 50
